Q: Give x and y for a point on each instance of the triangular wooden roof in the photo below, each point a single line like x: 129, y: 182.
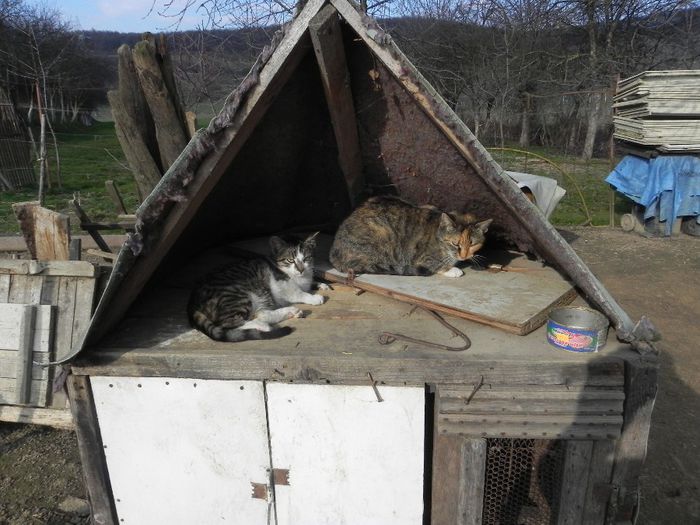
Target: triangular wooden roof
x: 171, y: 207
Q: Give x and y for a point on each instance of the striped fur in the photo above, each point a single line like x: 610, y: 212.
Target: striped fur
x: 388, y: 235
x: 248, y: 297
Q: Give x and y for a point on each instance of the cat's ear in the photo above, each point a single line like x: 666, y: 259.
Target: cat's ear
x: 447, y: 223
x: 276, y: 244
x: 484, y: 225
x: 310, y: 242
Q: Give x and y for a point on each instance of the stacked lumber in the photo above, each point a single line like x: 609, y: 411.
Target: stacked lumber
x: 659, y: 108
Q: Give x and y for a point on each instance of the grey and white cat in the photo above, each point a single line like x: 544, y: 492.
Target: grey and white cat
x: 246, y: 298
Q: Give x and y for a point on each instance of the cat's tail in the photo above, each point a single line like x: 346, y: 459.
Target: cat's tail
x: 233, y: 335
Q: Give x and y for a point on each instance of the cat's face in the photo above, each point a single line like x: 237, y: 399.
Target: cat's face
x: 462, y: 241
x: 293, y: 256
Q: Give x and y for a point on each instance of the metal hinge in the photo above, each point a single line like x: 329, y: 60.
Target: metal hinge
x: 264, y: 491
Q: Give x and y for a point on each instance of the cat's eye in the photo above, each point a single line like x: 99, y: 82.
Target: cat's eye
x: 289, y: 261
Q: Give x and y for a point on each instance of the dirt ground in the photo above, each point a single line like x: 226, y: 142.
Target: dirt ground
x: 659, y: 277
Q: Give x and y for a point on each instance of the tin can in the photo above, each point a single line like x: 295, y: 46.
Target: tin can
x: 577, y: 329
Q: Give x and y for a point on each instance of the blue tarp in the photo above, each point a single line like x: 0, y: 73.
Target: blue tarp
x: 668, y: 186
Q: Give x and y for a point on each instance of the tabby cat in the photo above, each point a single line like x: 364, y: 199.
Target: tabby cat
x: 391, y: 236
x: 246, y: 298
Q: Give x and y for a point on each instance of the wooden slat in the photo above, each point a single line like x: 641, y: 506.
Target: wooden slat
x: 542, y: 406
x: 67, y: 268
x: 4, y: 287
x: 641, y: 384
x: 327, y: 39
x: 553, y: 430
x: 8, y: 364
x: 10, y: 319
x: 116, y: 197
x: 60, y: 419
x: 83, y: 306
x: 599, y: 489
x: 92, y: 456
x: 577, y: 462
x: 459, y: 466
x: 24, y: 356
x: 38, y: 392
x: 64, y: 316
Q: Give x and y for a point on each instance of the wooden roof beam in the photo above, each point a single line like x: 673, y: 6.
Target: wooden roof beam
x: 327, y: 39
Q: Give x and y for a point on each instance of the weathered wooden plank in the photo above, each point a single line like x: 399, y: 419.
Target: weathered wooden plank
x: 92, y: 457
x: 532, y: 431
x: 10, y: 319
x: 65, y: 312
x: 67, y: 268
x: 534, y: 392
x: 8, y: 364
x: 336, y: 369
x: 4, y: 287
x: 23, y: 368
x: 543, y: 406
x: 170, y: 129
x: 38, y: 392
x: 641, y: 384
x: 60, y: 419
x: 272, y: 79
x: 51, y: 235
x: 75, y: 249
x: 599, y: 489
x: 577, y: 461
x: 531, y: 419
x: 327, y: 39
x: 82, y: 312
x: 459, y: 466
x: 116, y: 196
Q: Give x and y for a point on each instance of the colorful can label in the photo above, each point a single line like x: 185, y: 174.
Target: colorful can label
x: 572, y: 339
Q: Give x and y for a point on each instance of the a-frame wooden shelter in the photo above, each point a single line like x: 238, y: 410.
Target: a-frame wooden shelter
x: 333, y: 110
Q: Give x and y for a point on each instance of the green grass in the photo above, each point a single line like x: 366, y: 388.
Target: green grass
x: 92, y: 155
x: 89, y: 156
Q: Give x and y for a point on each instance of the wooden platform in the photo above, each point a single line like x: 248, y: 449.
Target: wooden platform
x: 337, y: 342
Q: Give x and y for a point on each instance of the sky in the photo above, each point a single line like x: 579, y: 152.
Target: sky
x: 125, y: 16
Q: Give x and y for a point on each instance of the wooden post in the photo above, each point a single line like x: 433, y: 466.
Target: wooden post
x: 88, y: 226
x: 92, y: 455
x: 459, y: 469
x: 327, y: 38
x: 170, y: 129
x: 116, y: 197
x: 24, y: 356
x: 641, y: 384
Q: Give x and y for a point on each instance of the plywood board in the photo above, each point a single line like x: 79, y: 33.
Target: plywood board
x: 351, y: 458
x: 515, y: 301
x: 184, y: 451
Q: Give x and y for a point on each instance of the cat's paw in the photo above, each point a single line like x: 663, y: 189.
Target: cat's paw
x: 316, y: 299
x: 453, y: 272
x: 323, y: 286
x: 295, y: 312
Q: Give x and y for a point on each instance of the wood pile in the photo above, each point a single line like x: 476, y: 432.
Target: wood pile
x: 659, y: 108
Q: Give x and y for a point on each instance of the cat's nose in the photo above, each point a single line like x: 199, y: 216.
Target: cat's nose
x: 299, y: 266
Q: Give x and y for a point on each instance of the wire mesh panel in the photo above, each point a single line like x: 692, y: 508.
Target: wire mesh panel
x: 522, y: 481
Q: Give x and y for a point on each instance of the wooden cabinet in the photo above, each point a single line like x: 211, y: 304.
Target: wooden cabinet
x: 204, y: 451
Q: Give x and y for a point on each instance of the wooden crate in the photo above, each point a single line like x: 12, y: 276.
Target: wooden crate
x: 45, y: 308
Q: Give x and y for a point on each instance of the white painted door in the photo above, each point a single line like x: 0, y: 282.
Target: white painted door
x: 184, y: 451
x: 351, y: 459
